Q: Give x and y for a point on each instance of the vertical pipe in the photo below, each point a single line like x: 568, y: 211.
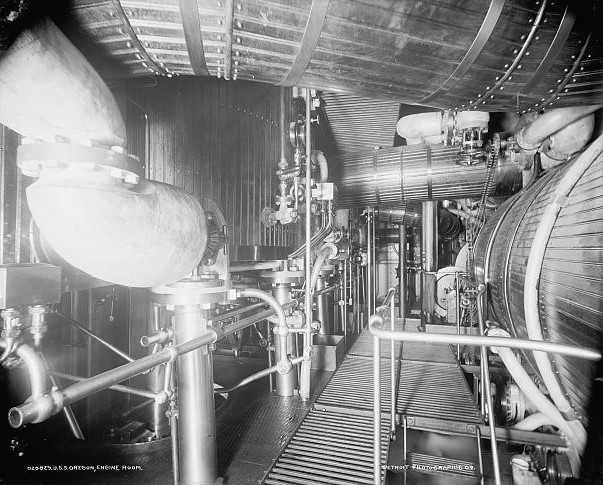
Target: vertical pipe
x: 304, y: 388
x: 478, y: 435
x: 369, y: 266
x: 270, y: 377
x: 345, y: 302
x: 430, y: 258
x: 285, y: 383
x: 486, y: 386
x: 376, y: 412
x: 196, y: 412
x: 457, y: 290
x: 283, y: 163
x: 174, y: 432
x: 392, y: 318
x: 402, y: 265
x: 375, y: 267
x: 322, y: 312
x: 158, y: 422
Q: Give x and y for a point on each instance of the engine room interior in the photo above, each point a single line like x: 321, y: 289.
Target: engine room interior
x: 298, y: 242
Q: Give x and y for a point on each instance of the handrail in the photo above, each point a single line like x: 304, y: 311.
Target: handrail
x: 376, y: 324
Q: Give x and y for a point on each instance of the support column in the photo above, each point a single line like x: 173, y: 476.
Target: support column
x: 196, y: 412
x: 429, y: 238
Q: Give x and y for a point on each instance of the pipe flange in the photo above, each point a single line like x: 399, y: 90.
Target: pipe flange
x: 283, y: 277
x: 32, y: 158
x: 191, y: 291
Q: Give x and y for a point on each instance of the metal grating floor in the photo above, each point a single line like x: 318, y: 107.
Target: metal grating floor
x: 438, y: 392
x: 329, y: 448
x: 363, y: 347
x: 428, y: 352
x: 352, y: 386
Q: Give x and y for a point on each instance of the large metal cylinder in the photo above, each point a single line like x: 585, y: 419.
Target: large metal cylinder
x: 571, y: 281
x: 498, y: 55
x: 387, y: 176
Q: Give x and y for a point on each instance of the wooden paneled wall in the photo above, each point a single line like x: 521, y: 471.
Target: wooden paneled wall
x: 215, y: 139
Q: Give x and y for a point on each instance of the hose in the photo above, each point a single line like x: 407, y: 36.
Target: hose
x: 534, y: 267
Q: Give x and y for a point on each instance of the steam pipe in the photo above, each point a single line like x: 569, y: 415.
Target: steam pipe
x: 284, y: 364
x: 116, y: 387
x: 129, y: 231
x: 41, y: 407
x: 35, y: 368
x: 72, y: 103
x: 550, y: 123
x: 319, y: 159
x: 304, y: 386
x: 534, y: 268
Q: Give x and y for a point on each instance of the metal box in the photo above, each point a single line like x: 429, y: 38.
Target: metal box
x: 29, y: 284
x: 327, y: 352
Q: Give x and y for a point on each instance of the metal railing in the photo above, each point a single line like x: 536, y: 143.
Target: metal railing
x: 376, y: 328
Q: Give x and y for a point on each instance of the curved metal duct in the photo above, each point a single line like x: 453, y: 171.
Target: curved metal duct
x: 88, y: 202
x: 498, y: 55
x: 571, y: 283
x: 387, y: 176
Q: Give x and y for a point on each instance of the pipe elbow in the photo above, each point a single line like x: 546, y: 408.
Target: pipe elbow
x: 72, y: 103
x: 149, y: 235
x: 550, y: 123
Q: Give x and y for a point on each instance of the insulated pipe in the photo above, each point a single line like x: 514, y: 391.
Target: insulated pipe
x: 149, y: 235
x: 48, y: 90
x: 319, y: 159
x: 534, y: 268
x: 533, y: 421
x: 551, y: 122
